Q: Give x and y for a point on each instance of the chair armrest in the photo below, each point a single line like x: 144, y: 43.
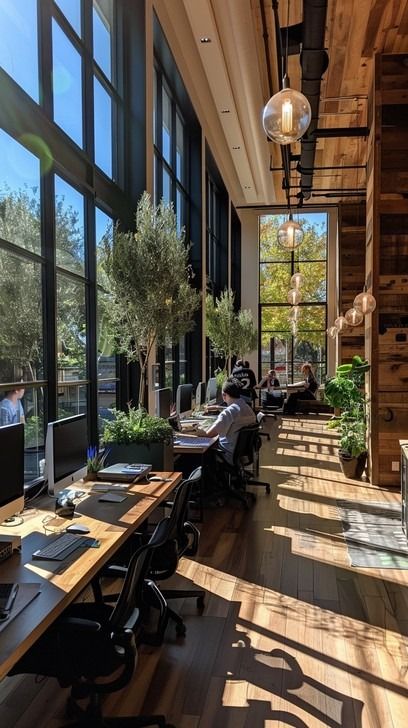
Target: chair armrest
x: 77, y: 624
x: 193, y: 531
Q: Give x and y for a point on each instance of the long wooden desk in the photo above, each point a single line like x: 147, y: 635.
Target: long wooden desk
x: 61, y: 582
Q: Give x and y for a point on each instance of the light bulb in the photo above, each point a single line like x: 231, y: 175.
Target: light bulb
x: 294, y: 296
x: 297, y: 280
x: 332, y: 332
x: 286, y: 116
x: 290, y: 235
x: 294, y: 313
x: 365, y: 302
x: 354, y: 316
x: 340, y: 323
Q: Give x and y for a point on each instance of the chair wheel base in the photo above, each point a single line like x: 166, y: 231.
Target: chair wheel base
x: 181, y: 630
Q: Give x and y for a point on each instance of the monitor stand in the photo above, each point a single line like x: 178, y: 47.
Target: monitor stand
x: 12, y: 522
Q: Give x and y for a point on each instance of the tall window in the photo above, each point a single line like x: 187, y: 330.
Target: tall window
x: 170, y: 176
x: 290, y: 338
x: 56, y: 208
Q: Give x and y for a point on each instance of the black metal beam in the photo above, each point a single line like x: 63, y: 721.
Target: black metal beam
x: 348, y: 131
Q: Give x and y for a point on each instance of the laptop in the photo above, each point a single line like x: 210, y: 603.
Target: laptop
x: 125, y: 472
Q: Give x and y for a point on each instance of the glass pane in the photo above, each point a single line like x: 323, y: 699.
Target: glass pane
x: 103, y: 231
x: 71, y: 329
x: 166, y: 126
x: 72, y: 399
x: 18, y: 45
x: 168, y: 366
x: 269, y: 248
x: 103, y: 128
x: 312, y: 319
x: 33, y: 403
x: 276, y: 318
x: 72, y: 12
x: 179, y: 149
x: 69, y: 226
x: 106, y: 358
x: 179, y: 210
x: 276, y: 354
x: 274, y: 282
x: 21, y: 330
x: 182, y: 361
x: 67, y: 84
x: 166, y: 194
x: 314, y: 245
x: 102, y: 16
x: 19, y: 195
x: 314, y: 284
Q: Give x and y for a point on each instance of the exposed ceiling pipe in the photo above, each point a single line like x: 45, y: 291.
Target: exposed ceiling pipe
x: 314, y: 61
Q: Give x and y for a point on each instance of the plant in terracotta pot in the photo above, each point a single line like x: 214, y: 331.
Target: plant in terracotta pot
x: 343, y: 392
x: 137, y: 437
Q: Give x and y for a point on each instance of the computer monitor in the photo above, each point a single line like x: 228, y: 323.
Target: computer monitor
x: 163, y: 402
x: 211, y: 393
x: 11, y: 470
x: 184, y: 400
x: 65, y: 452
x: 200, y: 394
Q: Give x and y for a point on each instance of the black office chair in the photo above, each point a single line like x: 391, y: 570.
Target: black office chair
x: 93, y: 640
x: 180, y: 538
x: 237, y: 474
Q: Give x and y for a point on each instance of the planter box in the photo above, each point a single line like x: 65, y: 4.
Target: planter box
x: 159, y: 455
x: 353, y: 467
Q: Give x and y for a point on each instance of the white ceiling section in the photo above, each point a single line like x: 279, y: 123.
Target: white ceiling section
x: 234, y: 80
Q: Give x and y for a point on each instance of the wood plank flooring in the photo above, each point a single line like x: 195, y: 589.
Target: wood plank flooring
x: 291, y: 635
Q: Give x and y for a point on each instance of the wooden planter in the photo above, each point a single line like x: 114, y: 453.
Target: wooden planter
x: 157, y: 454
x: 352, y: 467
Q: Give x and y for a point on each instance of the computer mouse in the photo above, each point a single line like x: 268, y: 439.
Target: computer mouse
x: 78, y: 528
x: 156, y: 478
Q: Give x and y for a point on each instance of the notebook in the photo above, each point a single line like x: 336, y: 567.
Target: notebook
x: 125, y: 472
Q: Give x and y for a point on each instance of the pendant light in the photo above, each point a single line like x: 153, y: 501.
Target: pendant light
x: 297, y: 280
x: 365, y: 302
x: 340, y: 323
x: 294, y: 296
x: 354, y: 316
x: 294, y: 314
x: 332, y: 331
x: 287, y: 115
x: 290, y: 234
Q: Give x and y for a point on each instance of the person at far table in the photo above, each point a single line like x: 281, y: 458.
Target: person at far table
x: 268, y: 386
x: 247, y: 379
x: 305, y: 390
x: 11, y: 409
x: 237, y: 414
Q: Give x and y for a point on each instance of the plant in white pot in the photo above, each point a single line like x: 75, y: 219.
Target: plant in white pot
x: 151, y: 301
x: 137, y: 437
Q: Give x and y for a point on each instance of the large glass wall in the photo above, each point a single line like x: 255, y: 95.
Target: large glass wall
x: 291, y: 335
x: 59, y: 196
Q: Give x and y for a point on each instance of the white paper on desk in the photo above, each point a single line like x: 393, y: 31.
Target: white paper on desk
x: 26, y: 593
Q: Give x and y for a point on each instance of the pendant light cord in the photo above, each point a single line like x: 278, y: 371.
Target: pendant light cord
x: 287, y: 40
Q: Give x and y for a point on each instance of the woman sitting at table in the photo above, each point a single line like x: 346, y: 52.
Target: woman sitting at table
x: 268, y: 386
x: 307, y: 390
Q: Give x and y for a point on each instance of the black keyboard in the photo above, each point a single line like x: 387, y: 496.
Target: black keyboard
x: 62, y: 547
x: 8, y: 594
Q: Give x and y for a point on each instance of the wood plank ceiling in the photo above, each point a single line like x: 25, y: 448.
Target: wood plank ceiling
x: 355, y: 31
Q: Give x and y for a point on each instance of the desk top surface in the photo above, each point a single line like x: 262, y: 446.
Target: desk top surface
x: 61, y: 581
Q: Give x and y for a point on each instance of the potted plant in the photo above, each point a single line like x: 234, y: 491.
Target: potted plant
x: 95, y: 461
x: 343, y: 392
x: 137, y: 437
x: 150, y: 299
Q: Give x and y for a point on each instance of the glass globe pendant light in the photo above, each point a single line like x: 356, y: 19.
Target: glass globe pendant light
x: 290, y: 234
x: 332, y: 331
x: 340, y: 323
x: 294, y: 314
x: 365, y: 302
x: 286, y: 117
x: 354, y: 317
x: 294, y: 297
x: 297, y: 280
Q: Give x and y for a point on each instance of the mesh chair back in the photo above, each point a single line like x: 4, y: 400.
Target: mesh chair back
x: 247, y: 443
x: 125, y: 612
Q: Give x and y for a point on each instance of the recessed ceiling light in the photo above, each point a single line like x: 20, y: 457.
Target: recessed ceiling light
x: 205, y: 39
x: 247, y: 187
x: 225, y: 111
x: 236, y: 147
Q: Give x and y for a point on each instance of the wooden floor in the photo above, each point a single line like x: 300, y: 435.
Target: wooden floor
x: 291, y: 634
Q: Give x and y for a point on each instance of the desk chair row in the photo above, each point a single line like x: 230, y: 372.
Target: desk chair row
x: 94, y: 640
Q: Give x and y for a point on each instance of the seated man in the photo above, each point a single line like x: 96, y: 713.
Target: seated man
x: 246, y: 377
x: 237, y: 414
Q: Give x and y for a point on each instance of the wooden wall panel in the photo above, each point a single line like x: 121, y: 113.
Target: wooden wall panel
x: 352, y: 235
